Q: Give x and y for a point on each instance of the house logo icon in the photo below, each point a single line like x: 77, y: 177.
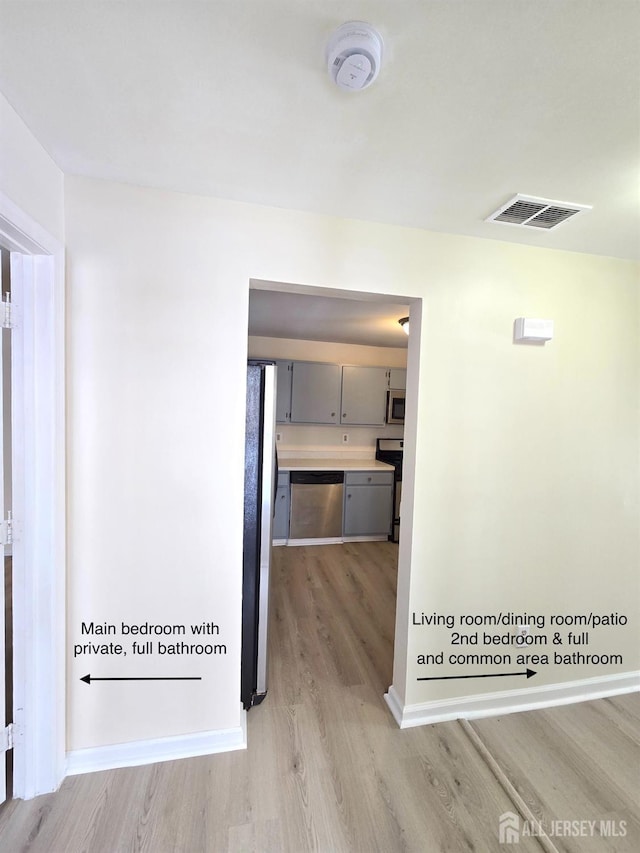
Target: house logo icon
x: 509, y: 828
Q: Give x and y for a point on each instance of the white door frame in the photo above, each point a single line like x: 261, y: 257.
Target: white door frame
x: 39, y: 511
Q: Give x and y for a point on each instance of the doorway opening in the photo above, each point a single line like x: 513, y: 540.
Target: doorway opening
x: 295, y: 323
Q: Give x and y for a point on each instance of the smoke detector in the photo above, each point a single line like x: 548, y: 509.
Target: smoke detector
x: 354, y: 55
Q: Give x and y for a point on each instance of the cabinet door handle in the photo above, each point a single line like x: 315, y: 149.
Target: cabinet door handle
x: 333, y: 414
x: 344, y: 414
x: 368, y: 479
x: 348, y: 495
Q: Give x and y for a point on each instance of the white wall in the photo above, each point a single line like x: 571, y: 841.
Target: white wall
x: 156, y: 420
x: 28, y: 176
x: 526, y: 458
x: 300, y: 438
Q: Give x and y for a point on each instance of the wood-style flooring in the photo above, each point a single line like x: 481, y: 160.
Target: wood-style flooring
x: 328, y: 770
x: 8, y: 663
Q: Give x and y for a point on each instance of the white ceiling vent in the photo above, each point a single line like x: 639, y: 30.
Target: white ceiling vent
x: 532, y: 212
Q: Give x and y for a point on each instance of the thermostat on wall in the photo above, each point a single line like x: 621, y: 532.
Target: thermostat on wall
x: 527, y: 329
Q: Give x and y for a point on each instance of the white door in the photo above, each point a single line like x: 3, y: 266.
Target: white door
x: 3, y: 686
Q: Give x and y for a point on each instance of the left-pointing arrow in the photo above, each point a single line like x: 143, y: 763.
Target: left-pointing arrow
x: 89, y: 678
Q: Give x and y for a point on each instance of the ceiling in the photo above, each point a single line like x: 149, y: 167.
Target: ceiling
x: 477, y: 100
x: 320, y: 318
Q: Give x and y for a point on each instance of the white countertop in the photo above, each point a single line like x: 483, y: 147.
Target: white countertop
x: 333, y: 463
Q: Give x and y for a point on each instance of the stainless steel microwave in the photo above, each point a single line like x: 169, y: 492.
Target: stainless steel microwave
x: 395, y: 405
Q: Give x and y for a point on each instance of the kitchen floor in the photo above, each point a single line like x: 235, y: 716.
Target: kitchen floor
x: 328, y: 770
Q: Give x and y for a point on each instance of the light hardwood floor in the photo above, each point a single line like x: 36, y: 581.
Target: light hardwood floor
x: 8, y: 660
x: 328, y: 770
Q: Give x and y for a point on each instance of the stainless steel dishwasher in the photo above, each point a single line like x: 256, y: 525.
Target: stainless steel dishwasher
x: 316, y: 504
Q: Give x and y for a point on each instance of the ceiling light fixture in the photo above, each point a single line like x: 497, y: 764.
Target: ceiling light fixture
x: 404, y: 322
x: 354, y: 54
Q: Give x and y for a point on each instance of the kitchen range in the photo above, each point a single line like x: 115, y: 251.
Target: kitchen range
x: 391, y: 451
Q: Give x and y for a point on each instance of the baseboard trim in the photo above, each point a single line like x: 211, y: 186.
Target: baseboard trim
x: 376, y: 538
x: 395, y: 705
x: 332, y: 540
x: 157, y: 749
x: 510, y: 701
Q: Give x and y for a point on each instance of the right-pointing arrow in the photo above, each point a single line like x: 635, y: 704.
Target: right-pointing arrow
x: 527, y: 672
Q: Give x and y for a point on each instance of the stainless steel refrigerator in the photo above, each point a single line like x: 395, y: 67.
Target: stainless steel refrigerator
x: 260, y: 479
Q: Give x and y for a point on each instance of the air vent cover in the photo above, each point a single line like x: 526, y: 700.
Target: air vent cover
x: 532, y: 212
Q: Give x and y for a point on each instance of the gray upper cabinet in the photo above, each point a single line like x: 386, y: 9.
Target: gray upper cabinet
x: 315, y: 393
x: 364, y: 395
x: 397, y: 378
x: 283, y: 395
x: 311, y: 392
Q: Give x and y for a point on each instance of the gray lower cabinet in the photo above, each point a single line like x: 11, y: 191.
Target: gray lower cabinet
x: 283, y: 393
x: 368, y: 498
x: 281, y: 513
x: 315, y: 393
